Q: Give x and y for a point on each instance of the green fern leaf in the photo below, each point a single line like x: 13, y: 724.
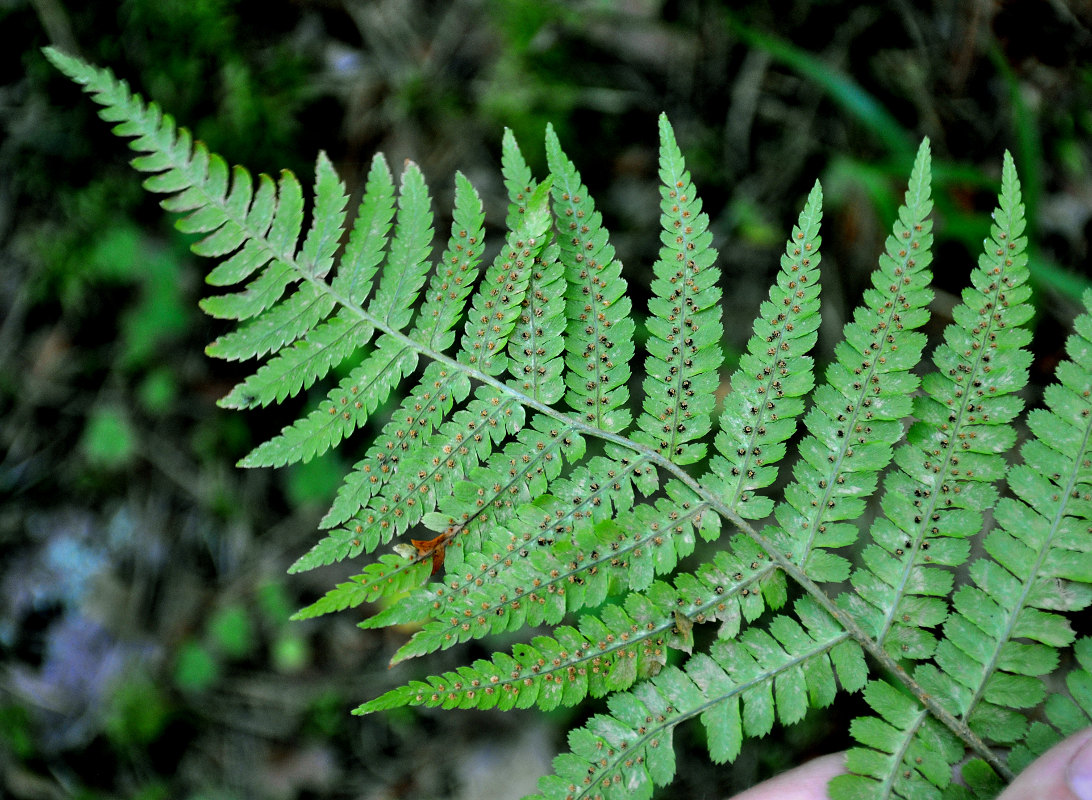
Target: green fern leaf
x: 740, y: 688
x: 305, y: 361
x: 407, y: 264
x: 599, y: 334
x: 609, y: 651
x: 458, y: 269
x: 684, y: 326
x: 773, y: 376
x: 536, y: 344
x: 953, y: 457
x: 283, y: 324
x: 392, y: 574
x: 858, y: 413
x: 327, y: 221
x: 346, y: 408
x: 368, y: 238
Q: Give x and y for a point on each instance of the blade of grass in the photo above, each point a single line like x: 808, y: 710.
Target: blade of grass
x: 843, y: 90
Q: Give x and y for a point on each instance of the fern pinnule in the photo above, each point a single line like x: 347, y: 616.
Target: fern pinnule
x: 684, y: 322
x: 536, y: 345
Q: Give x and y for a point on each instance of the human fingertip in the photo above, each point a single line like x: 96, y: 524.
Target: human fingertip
x: 1078, y: 772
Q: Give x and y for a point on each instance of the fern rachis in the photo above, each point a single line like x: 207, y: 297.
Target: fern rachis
x: 544, y: 493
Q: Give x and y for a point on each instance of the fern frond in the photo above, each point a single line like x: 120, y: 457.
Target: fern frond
x: 857, y: 416
x: 684, y: 324
x: 599, y: 333
x: 509, y: 445
x: 935, y: 501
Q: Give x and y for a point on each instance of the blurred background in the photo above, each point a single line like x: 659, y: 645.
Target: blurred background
x: 145, y: 646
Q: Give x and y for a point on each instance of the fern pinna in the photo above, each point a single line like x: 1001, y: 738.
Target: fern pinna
x: 543, y: 491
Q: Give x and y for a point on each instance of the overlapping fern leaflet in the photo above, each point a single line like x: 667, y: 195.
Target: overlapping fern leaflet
x: 536, y: 511
x: 1004, y: 630
x: 313, y: 354
x: 954, y: 455
x: 934, y: 502
x: 858, y: 412
x: 411, y: 486
x: 594, y: 659
x: 738, y: 689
